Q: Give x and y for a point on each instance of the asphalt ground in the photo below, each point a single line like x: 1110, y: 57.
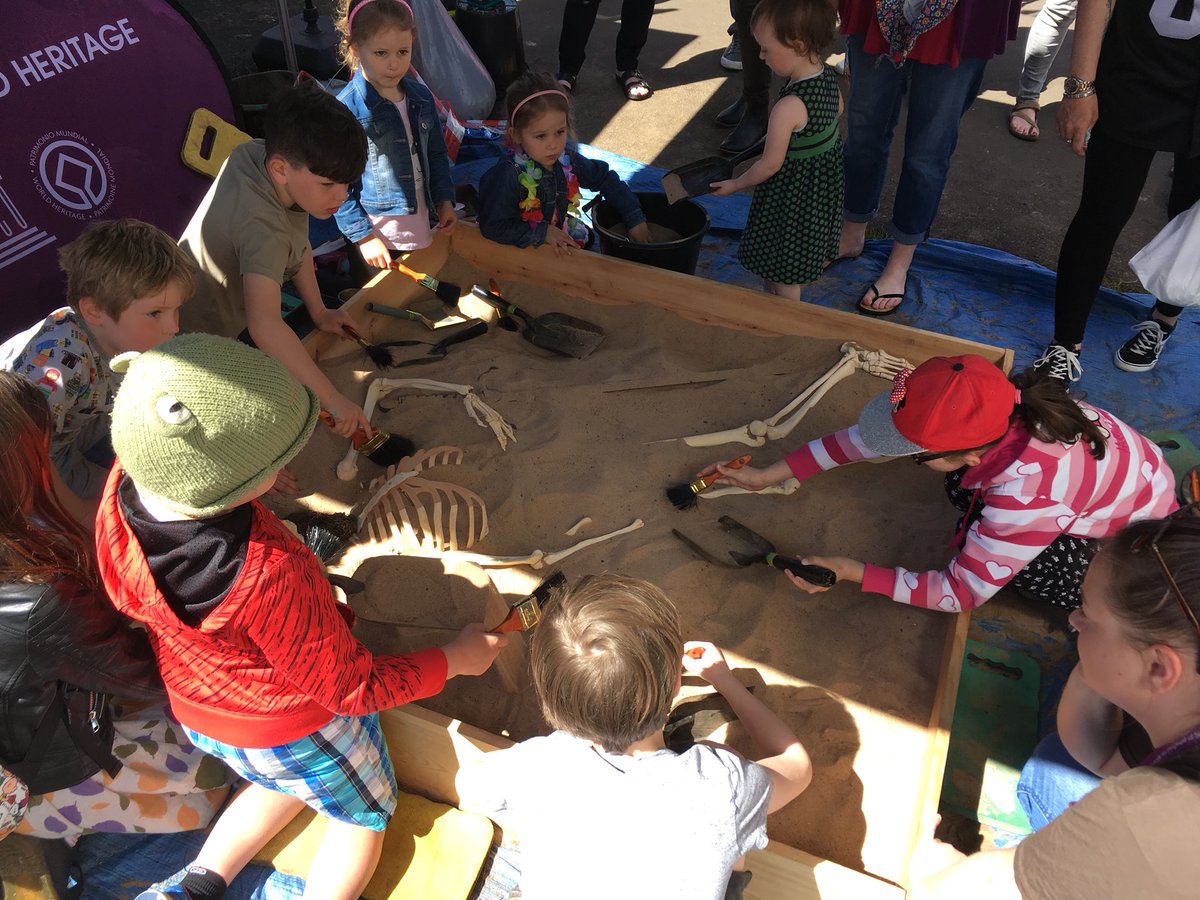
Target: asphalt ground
x: 1003, y: 193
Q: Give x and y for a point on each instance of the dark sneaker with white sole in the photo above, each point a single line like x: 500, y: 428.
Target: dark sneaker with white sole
x: 731, y: 59
x: 1062, y: 365
x: 1140, y: 353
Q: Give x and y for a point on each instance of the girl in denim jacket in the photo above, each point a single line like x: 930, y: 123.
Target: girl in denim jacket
x: 531, y: 197
x: 406, y: 185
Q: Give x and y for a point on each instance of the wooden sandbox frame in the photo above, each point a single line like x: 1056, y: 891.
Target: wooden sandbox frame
x: 428, y: 748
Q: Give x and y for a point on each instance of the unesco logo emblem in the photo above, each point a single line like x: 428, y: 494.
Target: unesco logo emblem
x: 72, y: 174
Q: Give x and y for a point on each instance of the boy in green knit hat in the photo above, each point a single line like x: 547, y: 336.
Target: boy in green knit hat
x: 255, y: 652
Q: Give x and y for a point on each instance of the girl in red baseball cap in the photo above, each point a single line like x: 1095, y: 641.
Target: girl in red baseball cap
x: 1038, y: 476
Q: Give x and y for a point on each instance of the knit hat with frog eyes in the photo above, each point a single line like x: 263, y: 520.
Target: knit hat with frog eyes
x: 199, y: 421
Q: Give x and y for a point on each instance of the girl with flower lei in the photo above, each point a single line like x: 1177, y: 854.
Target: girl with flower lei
x: 533, y: 195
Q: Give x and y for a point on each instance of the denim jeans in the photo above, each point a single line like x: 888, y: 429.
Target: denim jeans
x: 1045, y: 37
x: 938, y: 96
x: 1051, y: 781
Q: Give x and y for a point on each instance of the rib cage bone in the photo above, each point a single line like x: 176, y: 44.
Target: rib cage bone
x: 411, y: 515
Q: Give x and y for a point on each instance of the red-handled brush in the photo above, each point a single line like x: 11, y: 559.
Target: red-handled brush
x: 522, y: 616
x: 383, y: 449
x: 684, y: 495
x: 526, y: 613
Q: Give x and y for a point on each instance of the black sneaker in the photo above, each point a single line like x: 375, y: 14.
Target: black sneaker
x: 1062, y: 364
x: 1140, y: 352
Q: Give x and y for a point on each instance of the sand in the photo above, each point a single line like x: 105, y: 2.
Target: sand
x: 854, y: 674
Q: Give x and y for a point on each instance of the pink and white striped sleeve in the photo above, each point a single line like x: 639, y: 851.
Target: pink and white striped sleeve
x: 1011, y: 532
x: 829, y: 452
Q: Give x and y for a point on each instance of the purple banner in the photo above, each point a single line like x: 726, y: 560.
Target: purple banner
x: 95, y: 99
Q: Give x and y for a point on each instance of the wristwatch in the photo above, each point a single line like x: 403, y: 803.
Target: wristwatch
x: 1075, y: 88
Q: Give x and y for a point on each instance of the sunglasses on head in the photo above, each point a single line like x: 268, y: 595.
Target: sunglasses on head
x: 1152, y: 540
x: 922, y: 458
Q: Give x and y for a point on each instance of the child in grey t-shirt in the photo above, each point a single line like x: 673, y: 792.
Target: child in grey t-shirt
x: 601, y: 805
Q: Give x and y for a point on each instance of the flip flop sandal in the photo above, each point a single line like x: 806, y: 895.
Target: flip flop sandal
x: 1031, y: 120
x: 879, y: 313
x: 635, y: 85
x: 566, y: 81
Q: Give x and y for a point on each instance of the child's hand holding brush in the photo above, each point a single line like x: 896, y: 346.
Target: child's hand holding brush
x: 473, y: 651
x: 346, y: 416
x: 747, y: 477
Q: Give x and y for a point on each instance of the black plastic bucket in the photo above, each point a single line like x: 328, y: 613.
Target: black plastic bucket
x: 495, y: 36
x: 686, y: 218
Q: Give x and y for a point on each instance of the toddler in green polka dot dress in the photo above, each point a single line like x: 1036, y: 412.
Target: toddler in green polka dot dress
x: 796, y: 213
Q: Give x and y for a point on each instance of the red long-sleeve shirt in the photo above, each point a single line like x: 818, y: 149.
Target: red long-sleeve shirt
x: 275, y: 660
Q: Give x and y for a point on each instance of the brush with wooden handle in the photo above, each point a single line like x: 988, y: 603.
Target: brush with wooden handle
x: 383, y: 449
x: 684, y: 495
x: 448, y: 293
x: 522, y: 615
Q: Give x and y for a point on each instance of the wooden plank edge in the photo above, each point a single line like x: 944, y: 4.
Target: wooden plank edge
x: 784, y: 871
x: 940, y: 720
x: 607, y: 279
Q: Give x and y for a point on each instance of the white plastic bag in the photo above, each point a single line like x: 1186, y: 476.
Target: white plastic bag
x: 1169, y: 266
x: 448, y: 64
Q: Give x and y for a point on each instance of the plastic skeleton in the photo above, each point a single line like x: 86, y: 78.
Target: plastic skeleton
x: 539, y: 559
x: 411, y: 515
x: 484, y: 415
x: 855, y: 358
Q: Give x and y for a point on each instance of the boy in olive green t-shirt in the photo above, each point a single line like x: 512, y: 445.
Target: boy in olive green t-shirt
x: 250, y: 234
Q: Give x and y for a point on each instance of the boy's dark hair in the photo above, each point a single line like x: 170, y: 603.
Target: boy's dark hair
x: 606, y: 660
x: 807, y: 26
x: 121, y: 260
x: 308, y: 127
x: 526, y: 86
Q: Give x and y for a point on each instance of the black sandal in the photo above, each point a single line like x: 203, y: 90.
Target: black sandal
x: 566, y: 81
x: 635, y: 85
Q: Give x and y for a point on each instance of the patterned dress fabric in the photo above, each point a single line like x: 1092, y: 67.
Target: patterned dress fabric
x: 796, y: 214
x: 165, y: 784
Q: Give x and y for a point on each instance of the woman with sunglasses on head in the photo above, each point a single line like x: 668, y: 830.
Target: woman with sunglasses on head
x: 1131, y: 714
x: 1038, y: 477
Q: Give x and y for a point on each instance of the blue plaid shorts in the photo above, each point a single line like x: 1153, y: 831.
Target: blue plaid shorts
x: 342, y: 770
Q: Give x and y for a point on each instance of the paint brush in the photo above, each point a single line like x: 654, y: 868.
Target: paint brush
x: 328, y: 534
x: 684, y: 495
x: 448, y: 293
x: 527, y: 612
x: 523, y: 615
x: 381, y: 357
x: 382, y: 448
